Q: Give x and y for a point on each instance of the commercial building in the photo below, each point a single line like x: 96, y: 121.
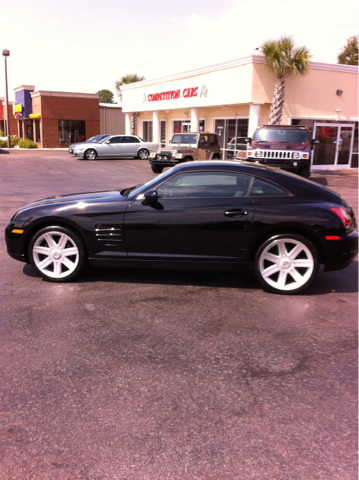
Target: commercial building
x: 57, y: 119
x: 233, y: 98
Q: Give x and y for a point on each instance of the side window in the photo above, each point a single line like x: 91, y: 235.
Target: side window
x: 206, y: 185
x: 204, y: 141
x: 213, y: 140
x: 130, y: 140
x: 261, y: 187
x: 115, y: 140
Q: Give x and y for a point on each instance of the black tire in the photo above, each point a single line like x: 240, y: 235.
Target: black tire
x: 143, y: 154
x: 90, y: 154
x: 305, y: 171
x: 187, y: 159
x: 286, y: 263
x: 217, y: 157
x: 156, y: 169
x: 57, y: 254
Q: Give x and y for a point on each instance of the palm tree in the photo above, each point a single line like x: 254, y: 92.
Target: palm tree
x: 284, y: 60
x: 125, y: 80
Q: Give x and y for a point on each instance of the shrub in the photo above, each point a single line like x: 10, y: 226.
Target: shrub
x: 27, y: 144
x: 3, y: 143
x: 14, y: 140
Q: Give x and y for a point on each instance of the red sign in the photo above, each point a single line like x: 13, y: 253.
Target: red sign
x: 172, y: 95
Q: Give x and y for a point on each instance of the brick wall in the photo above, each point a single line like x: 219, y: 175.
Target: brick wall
x: 13, y: 121
x: 54, y: 108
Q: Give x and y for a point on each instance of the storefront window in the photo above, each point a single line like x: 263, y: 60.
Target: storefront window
x: 184, y: 126
x: 29, y: 130
x: 37, y: 131
x: 163, y: 132
x: 71, y: 131
x: 147, y: 131
x: 228, y: 128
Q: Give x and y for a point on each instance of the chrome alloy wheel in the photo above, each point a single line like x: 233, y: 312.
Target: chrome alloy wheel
x: 90, y: 154
x: 55, y: 254
x: 143, y: 154
x: 286, y: 264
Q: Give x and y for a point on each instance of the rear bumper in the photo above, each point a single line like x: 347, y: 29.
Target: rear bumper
x: 340, y: 253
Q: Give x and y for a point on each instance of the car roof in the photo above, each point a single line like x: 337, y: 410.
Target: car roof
x: 298, y: 186
x: 195, y: 133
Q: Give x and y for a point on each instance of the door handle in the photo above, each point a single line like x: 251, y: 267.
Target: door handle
x: 235, y: 212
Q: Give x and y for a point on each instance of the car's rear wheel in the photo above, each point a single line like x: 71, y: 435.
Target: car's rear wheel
x: 57, y: 254
x: 286, y: 263
x: 216, y: 156
x: 90, y: 154
x: 143, y: 154
x: 156, y: 169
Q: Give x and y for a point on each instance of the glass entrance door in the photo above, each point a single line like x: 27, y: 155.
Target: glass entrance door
x: 335, y: 144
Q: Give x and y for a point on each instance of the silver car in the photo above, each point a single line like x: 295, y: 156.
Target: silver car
x: 95, y: 139
x: 117, y: 146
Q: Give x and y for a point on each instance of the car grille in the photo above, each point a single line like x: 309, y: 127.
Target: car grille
x: 274, y: 154
x: 165, y: 152
x: 109, y: 235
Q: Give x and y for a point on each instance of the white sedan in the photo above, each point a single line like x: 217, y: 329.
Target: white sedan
x: 117, y: 146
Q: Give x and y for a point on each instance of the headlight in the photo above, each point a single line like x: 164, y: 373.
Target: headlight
x: 259, y: 154
x: 295, y: 155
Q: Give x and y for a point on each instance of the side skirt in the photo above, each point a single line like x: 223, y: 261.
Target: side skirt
x: 171, y: 265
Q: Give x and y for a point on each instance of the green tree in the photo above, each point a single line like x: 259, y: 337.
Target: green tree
x: 106, y: 96
x: 348, y: 55
x: 284, y: 60
x: 126, y: 80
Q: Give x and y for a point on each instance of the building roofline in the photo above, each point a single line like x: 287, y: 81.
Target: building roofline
x: 45, y: 93
x: 235, y: 63
x: 24, y: 87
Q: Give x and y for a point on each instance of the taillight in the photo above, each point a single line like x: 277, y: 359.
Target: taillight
x: 343, y: 215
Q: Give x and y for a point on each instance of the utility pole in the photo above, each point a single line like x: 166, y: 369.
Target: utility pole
x: 6, y: 53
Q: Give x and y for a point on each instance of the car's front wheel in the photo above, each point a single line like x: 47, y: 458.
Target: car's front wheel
x: 90, y: 154
x: 286, y: 263
x: 57, y: 254
x: 143, y: 154
x: 156, y: 169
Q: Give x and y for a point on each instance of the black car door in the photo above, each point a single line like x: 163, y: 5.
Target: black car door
x: 198, y: 216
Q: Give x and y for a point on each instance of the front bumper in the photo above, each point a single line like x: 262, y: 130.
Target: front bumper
x: 164, y: 160
x: 290, y: 165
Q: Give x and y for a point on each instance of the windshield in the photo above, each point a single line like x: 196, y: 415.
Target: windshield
x: 96, y: 138
x: 281, y: 136
x: 185, y: 138
x: 142, y: 188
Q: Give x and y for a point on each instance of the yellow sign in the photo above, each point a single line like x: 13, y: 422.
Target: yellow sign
x: 18, y: 108
x: 35, y: 115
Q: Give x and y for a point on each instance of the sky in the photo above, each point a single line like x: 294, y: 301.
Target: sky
x: 86, y: 45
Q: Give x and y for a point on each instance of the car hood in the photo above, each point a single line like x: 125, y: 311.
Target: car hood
x: 79, y: 199
x: 298, y: 147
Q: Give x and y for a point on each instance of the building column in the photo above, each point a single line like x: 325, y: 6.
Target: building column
x: 156, y: 127
x: 254, y: 118
x: 194, y: 119
x: 128, y: 128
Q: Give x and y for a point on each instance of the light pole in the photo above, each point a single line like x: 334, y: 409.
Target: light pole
x: 6, y: 53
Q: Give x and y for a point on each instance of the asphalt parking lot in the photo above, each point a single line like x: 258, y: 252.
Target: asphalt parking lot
x: 153, y: 375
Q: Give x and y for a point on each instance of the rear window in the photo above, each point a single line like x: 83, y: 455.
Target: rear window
x: 263, y: 188
x: 281, y: 136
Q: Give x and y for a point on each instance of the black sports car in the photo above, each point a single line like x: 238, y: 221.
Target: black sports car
x: 213, y: 215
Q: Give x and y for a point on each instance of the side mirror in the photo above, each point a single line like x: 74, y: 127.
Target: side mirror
x: 315, y: 141
x: 169, y: 143
x: 150, y: 196
x: 248, y: 140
